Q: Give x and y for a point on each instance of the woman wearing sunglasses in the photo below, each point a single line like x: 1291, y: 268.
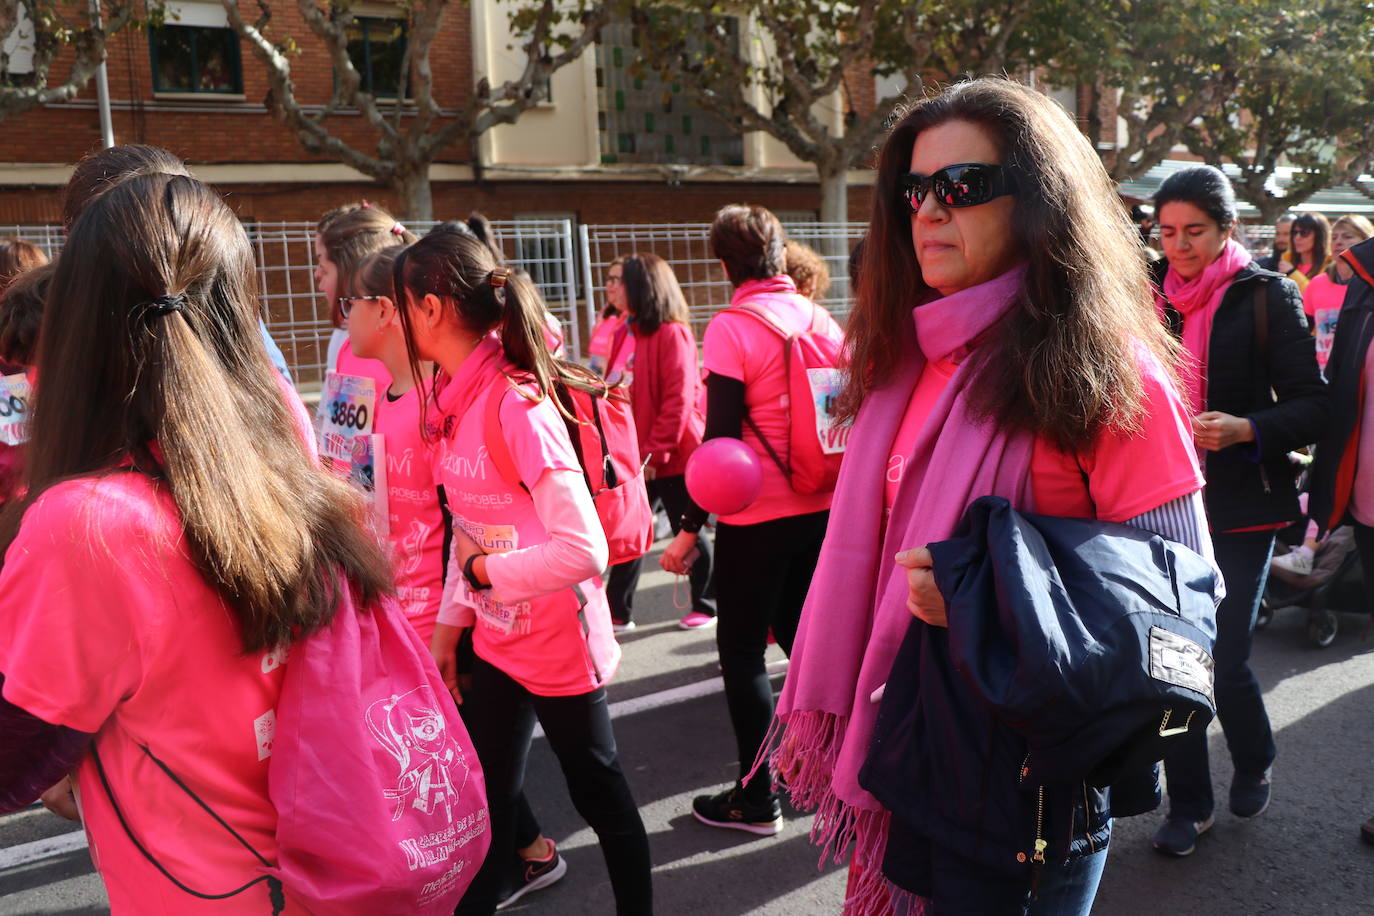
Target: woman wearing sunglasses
x: 1311, y: 254
x: 1255, y: 393
x: 1003, y: 343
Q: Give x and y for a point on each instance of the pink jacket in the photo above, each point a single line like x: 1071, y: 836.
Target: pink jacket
x: 665, y: 395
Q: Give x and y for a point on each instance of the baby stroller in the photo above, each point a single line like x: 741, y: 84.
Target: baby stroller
x: 1333, y: 587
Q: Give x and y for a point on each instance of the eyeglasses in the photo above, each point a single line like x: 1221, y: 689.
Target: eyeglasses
x: 1304, y: 230
x: 614, y: 279
x: 965, y: 184
x: 346, y: 303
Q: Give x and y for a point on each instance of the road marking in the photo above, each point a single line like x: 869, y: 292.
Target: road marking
x: 51, y: 848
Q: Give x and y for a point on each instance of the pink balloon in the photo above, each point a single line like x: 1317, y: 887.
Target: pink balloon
x: 724, y: 476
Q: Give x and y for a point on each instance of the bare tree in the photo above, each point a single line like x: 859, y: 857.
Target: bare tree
x: 810, y: 52
x: 46, y: 28
x: 410, y: 137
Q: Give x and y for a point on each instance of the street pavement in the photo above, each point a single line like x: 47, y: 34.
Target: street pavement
x: 1303, y: 856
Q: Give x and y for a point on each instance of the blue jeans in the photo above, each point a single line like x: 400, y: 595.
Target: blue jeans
x: 1243, y: 559
x: 963, y: 888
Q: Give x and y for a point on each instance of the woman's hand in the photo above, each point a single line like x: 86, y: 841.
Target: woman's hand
x: 443, y: 645
x: 464, y: 547
x: 1215, y: 430
x: 61, y: 800
x: 1285, y: 266
x: 680, y: 553
x: 923, y: 598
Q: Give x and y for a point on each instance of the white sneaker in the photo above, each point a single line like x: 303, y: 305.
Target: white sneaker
x: 617, y: 627
x: 1297, y: 561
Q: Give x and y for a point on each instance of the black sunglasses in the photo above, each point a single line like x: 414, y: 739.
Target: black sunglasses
x: 964, y: 184
x: 346, y: 303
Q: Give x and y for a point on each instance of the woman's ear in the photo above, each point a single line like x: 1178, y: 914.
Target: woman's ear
x: 386, y: 313
x: 431, y: 310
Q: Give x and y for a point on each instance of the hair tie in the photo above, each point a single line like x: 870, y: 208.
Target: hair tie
x: 398, y: 229
x: 165, y: 305
x: 497, y: 279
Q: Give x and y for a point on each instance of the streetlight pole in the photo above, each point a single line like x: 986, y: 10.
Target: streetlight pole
x: 102, y: 87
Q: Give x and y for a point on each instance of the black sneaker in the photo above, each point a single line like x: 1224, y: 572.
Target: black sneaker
x: 732, y: 810
x: 1250, y: 794
x: 533, y: 875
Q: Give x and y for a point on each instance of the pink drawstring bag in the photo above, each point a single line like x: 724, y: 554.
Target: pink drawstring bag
x: 380, y: 801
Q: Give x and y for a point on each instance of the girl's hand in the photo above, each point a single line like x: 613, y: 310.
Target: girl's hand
x: 1285, y: 266
x: 1215, y: 430
x: 443, y: 645
x: 923, y: 599
x: 61, y: 800
x: 678, y: 556
x: 464, y: 547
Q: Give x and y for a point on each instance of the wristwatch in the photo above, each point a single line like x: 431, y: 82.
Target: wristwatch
x: 471, y: 575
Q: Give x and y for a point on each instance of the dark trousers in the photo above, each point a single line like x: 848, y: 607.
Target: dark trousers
x: 1243, y: 559
x: 501, y: 723
x: 763, y: 572
x: 1364, y: 543
x: 624, y: 579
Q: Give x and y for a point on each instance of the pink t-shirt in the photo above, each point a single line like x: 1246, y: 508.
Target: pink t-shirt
x: 1322, y: 301
x: 599, y: 347
x: 740, y: 347
x: 107, y: 627
x: 416, y: 536
x: 1121, y: 476
x: 552, y: 644
x: 348, y: 364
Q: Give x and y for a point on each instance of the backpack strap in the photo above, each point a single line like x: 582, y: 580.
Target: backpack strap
x: 274, y: 887
x: 772, y: 322
x: 498, y: 449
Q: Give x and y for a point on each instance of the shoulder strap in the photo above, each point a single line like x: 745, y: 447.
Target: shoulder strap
x: 274, y: 888
x: 764, y: 315
x: 498, y: 449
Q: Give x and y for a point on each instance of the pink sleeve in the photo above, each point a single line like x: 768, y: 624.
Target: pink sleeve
x: 454, y: 610
x: 538, y: 437
x: 723, y: 348
x: 575, y: 551
x: 70, y: 646
x: 1131, y: 473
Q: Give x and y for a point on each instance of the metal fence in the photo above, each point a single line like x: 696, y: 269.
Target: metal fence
x: 686, y: 247
x: 297, y: 315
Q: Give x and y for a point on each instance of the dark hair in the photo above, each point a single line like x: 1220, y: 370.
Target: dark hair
x: 16, y: 257
x: 1321, y: 242
x: 1142, y: 212
x: 461, y: 271
x: 21, y: 314
x: 269, y: 529
x: 351, y: 233
x: 104, y: 169
x: 608, y: 310
x: 1204, y: 187
x: 375, y: 274
x: 855, y: 265
x: 652, y: 292
x: 1063, y: 362
x: 750, y: 241
x: 477, y: 226
x: 807, y: 269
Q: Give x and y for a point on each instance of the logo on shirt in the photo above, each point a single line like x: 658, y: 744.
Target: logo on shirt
x: 265, y: 730
x: 411, y: 546
x: 463, y: 466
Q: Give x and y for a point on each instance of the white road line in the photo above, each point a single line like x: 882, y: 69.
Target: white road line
x: 24, y: 853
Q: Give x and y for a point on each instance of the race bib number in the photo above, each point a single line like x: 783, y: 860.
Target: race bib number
x: 14, y: 409
x: 826, y: 386
x: 348, y: 405
x: 491, y: 538
x: 494, y: 615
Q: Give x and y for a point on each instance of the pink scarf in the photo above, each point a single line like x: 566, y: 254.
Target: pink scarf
x: 855, y: 614
x: 1197, y: 300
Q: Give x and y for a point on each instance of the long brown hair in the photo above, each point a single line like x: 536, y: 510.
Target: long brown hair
x: 106, y: 168
x: 1061, y: 364
x: 16, y: 257
x: 151, y: 326
x: 351, y: 233
x: 652, y: 292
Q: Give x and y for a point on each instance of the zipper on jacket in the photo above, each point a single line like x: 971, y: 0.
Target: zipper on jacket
x: 1038, y: 857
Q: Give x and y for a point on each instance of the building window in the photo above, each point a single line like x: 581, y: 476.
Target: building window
x: 376, y: 47
x: 643, y: 118
x: 195, y: 58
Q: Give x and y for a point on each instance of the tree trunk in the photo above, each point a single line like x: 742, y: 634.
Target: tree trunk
x: 834, y: 197
x: 416, y: 198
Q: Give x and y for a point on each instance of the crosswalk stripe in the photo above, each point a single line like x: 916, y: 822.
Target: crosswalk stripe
x: 51, y: 848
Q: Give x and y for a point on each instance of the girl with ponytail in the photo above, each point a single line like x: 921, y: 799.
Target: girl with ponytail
x: 525, y: 568
x: 175, y: 540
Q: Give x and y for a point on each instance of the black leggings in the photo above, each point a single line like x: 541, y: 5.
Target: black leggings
x: 763, y: 572
x: 624, y: 579
x: 500, y: 718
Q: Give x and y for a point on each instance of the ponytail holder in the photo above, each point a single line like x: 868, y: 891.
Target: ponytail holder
x: 497, y: 278
x: 165, y: 305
